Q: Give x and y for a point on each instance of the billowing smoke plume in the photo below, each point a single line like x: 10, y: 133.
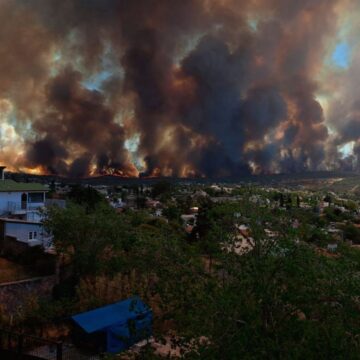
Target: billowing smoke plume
x: 77, y: 118
x: 175, y: 88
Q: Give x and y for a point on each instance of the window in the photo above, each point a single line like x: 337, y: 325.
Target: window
x: 30, y: 235
x: 35, y: 235
x: 36, y: 197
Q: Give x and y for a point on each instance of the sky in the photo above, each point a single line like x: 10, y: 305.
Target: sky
x: 341, y: 55
x: 189, y: 88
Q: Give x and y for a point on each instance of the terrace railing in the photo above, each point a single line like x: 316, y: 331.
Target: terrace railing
x: 17, y: 206
x: 29, y: 346
x: 15, y: 345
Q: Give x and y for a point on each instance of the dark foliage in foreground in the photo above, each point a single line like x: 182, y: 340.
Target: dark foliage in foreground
x: 281, y: 300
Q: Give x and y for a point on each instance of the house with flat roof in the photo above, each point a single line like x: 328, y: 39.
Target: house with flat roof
x: 20, y: 211
x: 21, y: 200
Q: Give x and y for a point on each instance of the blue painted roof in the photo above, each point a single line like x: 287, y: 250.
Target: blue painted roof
x: 106, y: 316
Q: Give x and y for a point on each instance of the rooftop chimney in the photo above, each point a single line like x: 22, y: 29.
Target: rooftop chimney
x: 2, y: 172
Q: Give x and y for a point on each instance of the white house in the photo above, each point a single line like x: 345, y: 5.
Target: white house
x: 31, y: 233
x: 20, y: 205
x: 21, y: 200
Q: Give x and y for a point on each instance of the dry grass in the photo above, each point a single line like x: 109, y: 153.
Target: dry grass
x: 10, y: 271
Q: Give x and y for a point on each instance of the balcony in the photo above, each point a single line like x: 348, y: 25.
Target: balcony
x: 23, y: 208
x: 16, y: 208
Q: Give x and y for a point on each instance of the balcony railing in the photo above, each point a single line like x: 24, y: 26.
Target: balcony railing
x: 16, y: 207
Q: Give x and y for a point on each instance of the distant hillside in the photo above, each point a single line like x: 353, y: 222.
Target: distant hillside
x: 277, y: 179
x: 348, y: 184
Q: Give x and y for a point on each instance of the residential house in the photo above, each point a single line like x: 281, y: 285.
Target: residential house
x: 20, y: 215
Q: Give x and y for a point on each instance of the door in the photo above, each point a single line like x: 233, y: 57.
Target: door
x: 23, y: 201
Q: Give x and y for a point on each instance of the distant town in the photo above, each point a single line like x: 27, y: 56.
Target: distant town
x: 77, y: 256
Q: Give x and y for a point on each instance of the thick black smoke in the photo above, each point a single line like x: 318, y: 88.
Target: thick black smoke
x: 77, y: 116
x: 208, y: 88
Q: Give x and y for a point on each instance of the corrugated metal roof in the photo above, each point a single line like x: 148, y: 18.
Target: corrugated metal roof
x: 114, y: 314
x: 11, y: 185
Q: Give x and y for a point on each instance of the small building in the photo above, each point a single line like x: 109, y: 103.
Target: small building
x: 188, y: 219
x: 158, y: 212
x: 113, y: 328
x: 199, y: 195
x: 131, y: 201
x: 31, y: 233
x: 150, y: 203
x: 20, y: 212
x: 22, y: 200
x: 194, y: 210
x: 332, y: 247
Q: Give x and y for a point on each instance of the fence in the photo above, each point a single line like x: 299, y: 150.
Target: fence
x: 24, y: 346
x: 23, y: 206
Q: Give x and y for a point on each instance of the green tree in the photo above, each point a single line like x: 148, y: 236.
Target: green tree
x: 87, y: 197
x: 352, y: 233
x: 280, y: 300
x: 161, y: 188
x: 172, y: 213
x: 87, y: 239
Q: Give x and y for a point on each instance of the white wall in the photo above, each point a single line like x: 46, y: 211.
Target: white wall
x: 15, y: 197
x: 6, y: 197
x: 21, y: 230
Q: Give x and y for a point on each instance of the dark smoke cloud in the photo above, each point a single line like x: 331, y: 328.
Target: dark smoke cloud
x: 78, y: 120
x: 48, y: 153
x: 209, y: 88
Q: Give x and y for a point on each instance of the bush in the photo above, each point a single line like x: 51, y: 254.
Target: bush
x: 352, y: 233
